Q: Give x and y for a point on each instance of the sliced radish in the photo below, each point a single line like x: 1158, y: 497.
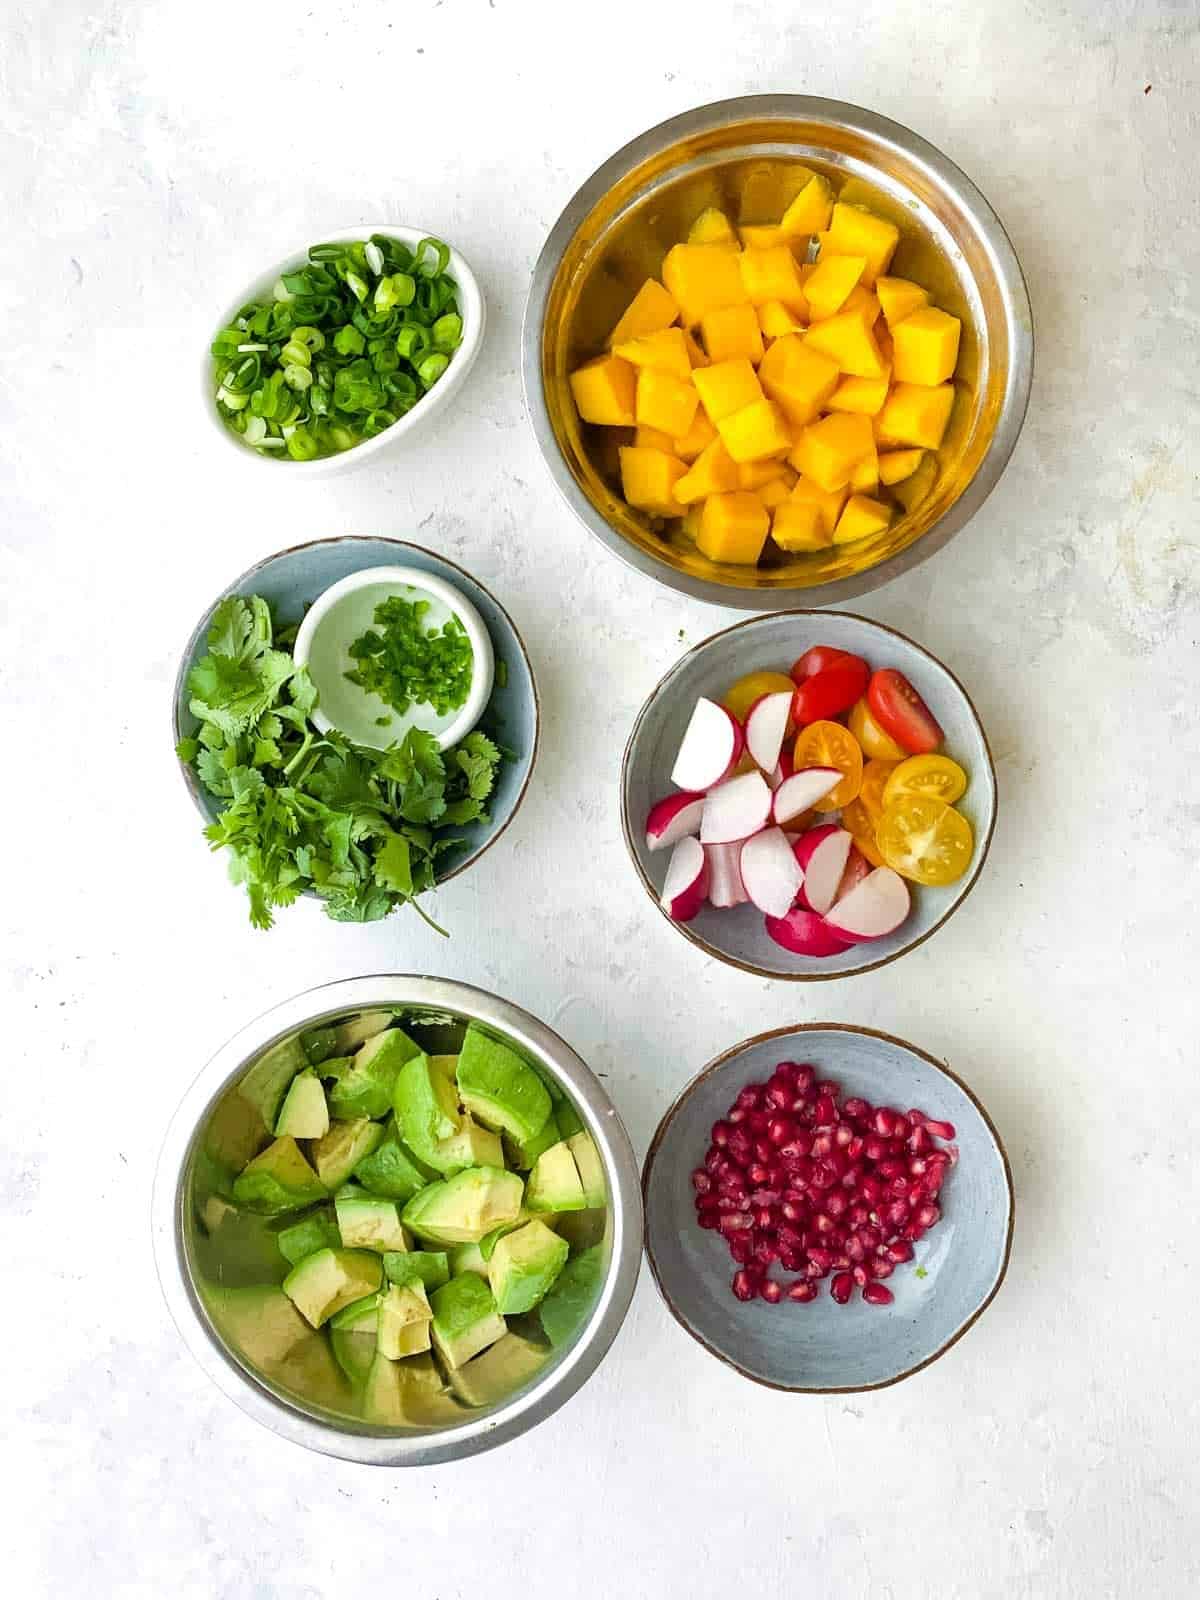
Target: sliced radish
x: 766, y: 725
x: 822, y: 854
x: 770, y: 872
x: 725, y: 886
x: 673, y: 819
x: 873, y: 908
x: 736, y: 809
x: 783, y: 769
x: 805, y: 934
x: 857, y: 868
x: 686, y: 882
x: 802, y: 790
x: 712, y: 744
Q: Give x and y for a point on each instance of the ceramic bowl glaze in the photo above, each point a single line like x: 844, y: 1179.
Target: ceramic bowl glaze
x: 738, y: 936
x: 824, y: 1348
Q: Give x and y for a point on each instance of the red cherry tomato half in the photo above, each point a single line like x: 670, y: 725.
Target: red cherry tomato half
x: 819, y: 659
x: 900, y: 712
x: 830, y: 692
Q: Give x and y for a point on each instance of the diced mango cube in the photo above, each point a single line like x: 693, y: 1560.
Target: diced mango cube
x: 828, y: 451
x: 690, y: 526
x: 900, y: 298
x: 756, y: 431
x: 848, y: 340
x: 695, y: 354
x: 732, y: 333
x: 810, y: 211
x: 761, y: 235
x: 864, y: 395
x: 767, y: 188
x: 698, y: 437
x: 860, y: 519
x: 714, y: 471
x: 665, y: 351
x: 665, y: 401
x: 826, y: 288
x: 854, y: 231
x: 860, y: 299
x: 798, y: 525
x: 655, y: 439
x: 865, y: 477
x: 712, y: 226
x: 776, y: 320
x: 772, y: 274
x: 829, y: 503
x: 648, y: 479
x: 604, y: 391
x: 776, y: 491
x: 726, y: 386
x: 896, y: 465
x: 912, y: 490
x: 733, y: 528
x: 926, y: 346
x: 754, y: 474
x: 913, y: 414
x: 797, y: 378
x: 650, y: 310
x: 703, y: 279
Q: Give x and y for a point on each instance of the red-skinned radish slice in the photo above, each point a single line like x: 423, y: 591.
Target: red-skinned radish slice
x: 822, y: 854
x: 736, y: 809
x: 711, y: 746
x: 770, y: 872
x: 857, y: 868
x: 805, y: 934
x: 673, y: 819
x: 802, y: 790
x: 873, y: 908
x: 686, y: 883
x: 725, y: 886
x: 783, y: 769
x: 766, y: 725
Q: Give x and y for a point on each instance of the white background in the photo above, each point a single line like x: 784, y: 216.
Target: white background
x: 153, y: 154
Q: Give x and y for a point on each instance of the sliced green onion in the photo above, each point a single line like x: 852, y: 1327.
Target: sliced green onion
x: 301, y: 445
x: 431, y: 367
x: 319, y: 400
x: 396, y: 290
x: 296, y: 376
x: 432, y: 258
x: 374, y: 257
x: 357, y: 285
x: 447, y: 332
x: 281, y: 290
x: 411, y: 342
x: 349, y: 342
x: 311, y: 338
x: 295, y: 354
x: 254, y: 430
x: 326, y: 252
x: 376, y: 421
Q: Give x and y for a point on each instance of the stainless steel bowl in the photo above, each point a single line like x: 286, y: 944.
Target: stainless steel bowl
x: 175, y: 1227
x: 614, y: 233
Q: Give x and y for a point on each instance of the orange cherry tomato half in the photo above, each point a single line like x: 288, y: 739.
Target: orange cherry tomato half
x: 901, y: 713
x: 875, y: 743
x: 861, y: 828
x: 874, y: 781
x: 828, y: 744
x: 925, y: 840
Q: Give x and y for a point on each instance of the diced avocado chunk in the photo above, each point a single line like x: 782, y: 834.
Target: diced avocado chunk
x: 304, y: 1113
x: 498, y: 1372
x: 361, y: 1315
x: 502, y: 1091
x: 460, y: 1210
x: 367, y: 1222
x: 568, y: 1120
x: 329, y: 1279
x: 407, y: 1394
x: 234, y: 1132
x: 524, y: 1264
x: 316, y: 1232
x: 429, y: 1267
x: 582, y: 1229
x: 263, y: 1326
x: 366, y: 1090
x: 278, y: 1180
x: 346, y: 1144
x: 404, y: 1318
x: 523, y: 1153
x: 467, y: 1258
x: 354, y: 1351
x: 446, y: 1065
x: 590, y: 1169
x: 471, y: 1146
x: 554, y: 1183
x: 465, y: 1319
x: 345, y: 1037
x: 488, y: 1243
x: 391, y: 1169
x: 265, y: 1084
x: 569, y: 1303
x: 426, y: 1105
x: 318, y: 1045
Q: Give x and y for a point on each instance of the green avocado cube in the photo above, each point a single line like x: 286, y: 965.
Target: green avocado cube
x: 354, y: 1351
x: 499, y: 1372
x: 429, y: 1267
x: 523, y: 1153
x: 366, y: 1089
x: 391, y: 1169
x: 407, y: 1394
x: 367, y: 1222
x: 554, y: 1183
x: 472, y: 1146
x: 361, y: 1316
x: 569, y: 1303
x: 427, y: 1113
x: 346, y: 1144
x: 315, y: 1232
x: 446, y: 1065
x: 568, y: 1120
x: 465, y: 1319
x: 524, y: 1264
x: 590, y: 1168
x: 345, y: 1037
x: 265, y: 1084
x: 404, y: 1318
x: 488, y: 1243
x: 460, y: 1210
x: 278, y: 1180
x: 304, y: 1113
x: 329, y: 1279
x: 500, y: 1089
x: 467, y: 1258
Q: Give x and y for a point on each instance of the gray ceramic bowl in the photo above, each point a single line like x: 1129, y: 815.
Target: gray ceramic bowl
x: 823, y: 1348
x: 292, y: 580
x: 738, y: 936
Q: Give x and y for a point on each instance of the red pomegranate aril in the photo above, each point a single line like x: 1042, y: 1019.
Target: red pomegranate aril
x: 803, y: 1110
x: 814, y: 1270
x: 793, y: 1212
x: 933, y: 1181
x: 916, y: 1117
x: 720, y: 1134
x: 928, y: 1215
x: 841, y: 1263
x: 898, y: 1188
x: 734, y: 1221
x: 855, y: 1248
x: 872, y: 1190
x: 823, y: 1176
x: 766, y: 1250
x: 736, y: 1116
x: 880, y: 1267
x: 764, y: 1218
x: 918, y: 1141
x: 742, y: 1248
x: 856, y: 1109
x: 803, y: 1291
x: 781, y: 1131
x: 764, y: 1150
x: 899, y: 1250
x: 855, y: 1148
x: 804, y: 1077
x: 836, y: 1203
x: 823, y: 1257
x: 874, y: 1148
x: 897, y: 1213
x: 745, y: 1284
x: 739, y: 1147
x: 939, y: 1130
x: 791, y: 1260
x: 826, y: 1110
x: 829, y: 1087
x: 857, y: 1215
x: 822, y: 1146
x: 843, y: 1136
x: 913, y: 1231
x: 823, y: 1224
x: 891, y: 1168
x: 758, y: 1122
x: 875, y: 1294
x: 757, y: 1172
x: 918, y: 1166
x: 706, y: 1217
x: 714, y: 1161
x: 860, y: 1274
x: 884, y: 1122
x: 842, y: 1288
x: 749, y: 1098
x: 701, y: 1181
x: 766, y: 1197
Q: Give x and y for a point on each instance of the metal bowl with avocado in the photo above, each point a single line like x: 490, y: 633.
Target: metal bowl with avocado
x: 363, y: 1324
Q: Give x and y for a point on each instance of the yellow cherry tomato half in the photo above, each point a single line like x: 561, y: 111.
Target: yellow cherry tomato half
x: 861, y: 828
x: 742, y: 695
x: 936, y: 777
x: 925, y: 840
x: 876, y: 744
x: 874, y: 782
x: 828, y: 744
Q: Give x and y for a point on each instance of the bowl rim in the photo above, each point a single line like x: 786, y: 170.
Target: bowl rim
x: 982, y: 846
x: 787, y: 1031
x: 238, y: 1381
x: 197, y: 634
x: 768, y: 107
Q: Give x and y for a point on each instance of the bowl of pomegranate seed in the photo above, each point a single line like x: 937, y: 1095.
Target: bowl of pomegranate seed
x: 828, y: 1208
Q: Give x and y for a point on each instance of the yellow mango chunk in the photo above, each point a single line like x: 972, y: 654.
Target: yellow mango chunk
x: 854, y: 231
x: 754, y: 474
x: 756, y: 431
x: 772, y: 274
x: 900, y: 298
x: 714, y: 471
x: 776, y: 321
x: 860, y: 519
x: 896, y: 465
x: 726, y: 387
x: 650, y: 310
x: 690, y: 526
x: 829, y: 503
x: 913, y: 414
x: 860, y: 299
x: 776, y: 491
x: 864, y: 395
x: 926, y: 346
x: 712, y: 226
x: 912, y: 490
x: 695, y: 354
x: 648, y: 479
x: 604, y: 391
x: 733, y: 527
x: 826, y: 288
x: 698, y: 437
x: 761, y: 235
x: 810, y: 211
x: 655, y: 439
x: 665, y: 351
x: 798, y: 525
x: 732, y: 333
x: 767, y: 188
x: 848, y: 340
x: 865, y: 477
x: 828, y: 451
x: 797, y: 378
x: 703, y: 279
x: 665, y: 401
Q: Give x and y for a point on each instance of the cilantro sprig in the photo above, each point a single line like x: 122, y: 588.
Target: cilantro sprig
x: 365, y: 830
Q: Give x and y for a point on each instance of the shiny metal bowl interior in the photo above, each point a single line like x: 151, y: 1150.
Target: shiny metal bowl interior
x: 746, y: 156
x: 302, y: 1395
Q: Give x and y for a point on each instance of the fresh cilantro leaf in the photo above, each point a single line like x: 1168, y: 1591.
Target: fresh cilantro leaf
x: 187, y: 750
x: 393, y: 865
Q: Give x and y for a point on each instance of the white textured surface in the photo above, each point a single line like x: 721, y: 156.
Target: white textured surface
x: 152, y: 153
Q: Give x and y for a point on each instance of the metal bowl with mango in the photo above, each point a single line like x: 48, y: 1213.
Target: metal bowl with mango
x: 777, y: 350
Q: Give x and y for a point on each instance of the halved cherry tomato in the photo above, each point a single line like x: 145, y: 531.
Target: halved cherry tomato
x: 925, y: 840
x: 828, y: 744
x: 819, y: 659
x: 830, y: 692
x: 875, y: 743
x: 874, y: 781
x: 739, y: 697
x: 860, y: 825
x: 937, y: 777
x: 900, y: 712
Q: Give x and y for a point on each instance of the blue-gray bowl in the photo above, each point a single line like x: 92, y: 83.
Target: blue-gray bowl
x: 292, y: 580
x: 823, y: 1348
